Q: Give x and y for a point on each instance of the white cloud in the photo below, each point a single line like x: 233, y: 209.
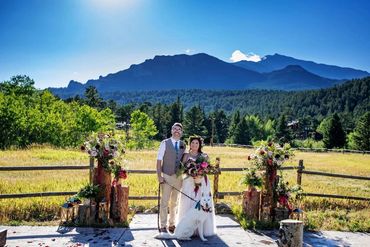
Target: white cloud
x: 188, y: 51
x: 240, y: 56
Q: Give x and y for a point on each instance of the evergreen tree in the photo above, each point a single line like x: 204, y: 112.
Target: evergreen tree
x: 194, y: 122
x: 334, y: 136
x: 176, y: 112
x: 235, y: 120
x: 221, y: 125
x: 176, y: 115
x: 241, y: 135
x: 360, y: 137
x: 160, y: 117
x: 92, y: 97
x: 282, y: 132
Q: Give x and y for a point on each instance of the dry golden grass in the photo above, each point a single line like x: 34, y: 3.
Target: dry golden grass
x: 321, y: 213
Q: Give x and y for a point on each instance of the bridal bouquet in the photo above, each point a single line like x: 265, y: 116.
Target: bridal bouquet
x: 197, y: 167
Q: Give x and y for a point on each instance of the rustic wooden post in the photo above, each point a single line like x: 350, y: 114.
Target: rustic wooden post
x: 104, y: 180
x: 83, y: 214
x: 215, y: 179
x: 122, y: 196
x: 267, y: 199
x: 251, y: 203
x: 299, y: 172
x: 119, y: 204
x: 91, y: 170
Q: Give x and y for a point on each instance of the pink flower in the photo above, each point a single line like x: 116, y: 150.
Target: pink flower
x: 122, y: 174
x: 105, y: 152
x: 204, y: 164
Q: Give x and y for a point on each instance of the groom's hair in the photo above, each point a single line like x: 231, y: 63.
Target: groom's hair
x: 178, y: 125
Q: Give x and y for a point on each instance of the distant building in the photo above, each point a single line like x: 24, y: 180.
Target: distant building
x: 293, y: 124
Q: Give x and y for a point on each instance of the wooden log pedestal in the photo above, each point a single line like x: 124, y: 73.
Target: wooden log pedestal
x: 290, y: 233
x: 102, y: 178
x: 251, y: 203
x: 267, y: 203
x: 119, y: 203
x: 86, y: 213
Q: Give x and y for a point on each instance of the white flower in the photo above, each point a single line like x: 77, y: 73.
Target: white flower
x: 93, y: 153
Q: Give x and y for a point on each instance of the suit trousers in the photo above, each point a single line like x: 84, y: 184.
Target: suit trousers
x: 169, y: 199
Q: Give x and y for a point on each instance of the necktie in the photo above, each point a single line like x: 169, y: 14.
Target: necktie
x: 177, y: 147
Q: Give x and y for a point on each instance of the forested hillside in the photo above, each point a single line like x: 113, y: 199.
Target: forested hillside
x: 351, y: 98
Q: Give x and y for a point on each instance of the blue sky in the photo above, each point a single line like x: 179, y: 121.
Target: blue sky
x: 55, y: 41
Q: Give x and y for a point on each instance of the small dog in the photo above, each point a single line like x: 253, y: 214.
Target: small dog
x: 194, y: 219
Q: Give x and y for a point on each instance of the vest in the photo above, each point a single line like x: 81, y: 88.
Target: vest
x: 170, y: 162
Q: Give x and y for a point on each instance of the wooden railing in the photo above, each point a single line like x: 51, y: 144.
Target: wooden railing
x: 217, y: 194
x: 316, y: 150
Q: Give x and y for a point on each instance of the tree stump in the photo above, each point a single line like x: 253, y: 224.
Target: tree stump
x: 103, y: 214
x: 104, y: 180
x: 268, y: 204
x: 119, y: 203
x: 251, y: 203
x: 290, y: 233
x: 83, y: 214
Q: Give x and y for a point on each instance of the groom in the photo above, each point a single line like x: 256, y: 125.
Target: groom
x: 168, y: 161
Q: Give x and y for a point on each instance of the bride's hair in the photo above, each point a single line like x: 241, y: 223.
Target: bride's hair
x: 200, y: 140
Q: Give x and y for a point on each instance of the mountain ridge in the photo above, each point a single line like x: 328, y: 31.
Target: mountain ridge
x: 201, y: 71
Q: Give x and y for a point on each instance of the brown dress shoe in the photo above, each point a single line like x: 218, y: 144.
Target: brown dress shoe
x: 171, y: 229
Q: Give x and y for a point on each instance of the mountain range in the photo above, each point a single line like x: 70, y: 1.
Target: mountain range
x: 202, y: 71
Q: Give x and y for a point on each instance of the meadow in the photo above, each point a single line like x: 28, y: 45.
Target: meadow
x: 320, y: 213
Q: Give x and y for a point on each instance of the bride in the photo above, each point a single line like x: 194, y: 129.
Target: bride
x: 189, y: 188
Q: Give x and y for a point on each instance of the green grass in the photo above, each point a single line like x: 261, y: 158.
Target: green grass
x: 333, y: 214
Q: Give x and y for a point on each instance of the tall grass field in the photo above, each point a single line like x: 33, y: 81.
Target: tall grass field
x: 320, y: 213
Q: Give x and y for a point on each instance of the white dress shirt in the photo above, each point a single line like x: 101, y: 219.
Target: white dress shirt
x: 162, y: 148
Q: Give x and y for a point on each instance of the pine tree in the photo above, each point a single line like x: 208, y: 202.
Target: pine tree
x: 92, y: 97
x: 235, y: 120
x: 241, y: 135
x: 221, y: 126
x: 283, y: 133
x: 194, y: 122
x: 361, y: 134
x: 334, y: 135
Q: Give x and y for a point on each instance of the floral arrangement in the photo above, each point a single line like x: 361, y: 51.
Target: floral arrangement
x: 118, y: 172
x: 105, y: 148
x: 251, y: 178
x: 269, y: 154
x: 196, y: 168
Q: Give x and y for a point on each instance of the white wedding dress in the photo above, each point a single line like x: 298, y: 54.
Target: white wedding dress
x: 185, y: 203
